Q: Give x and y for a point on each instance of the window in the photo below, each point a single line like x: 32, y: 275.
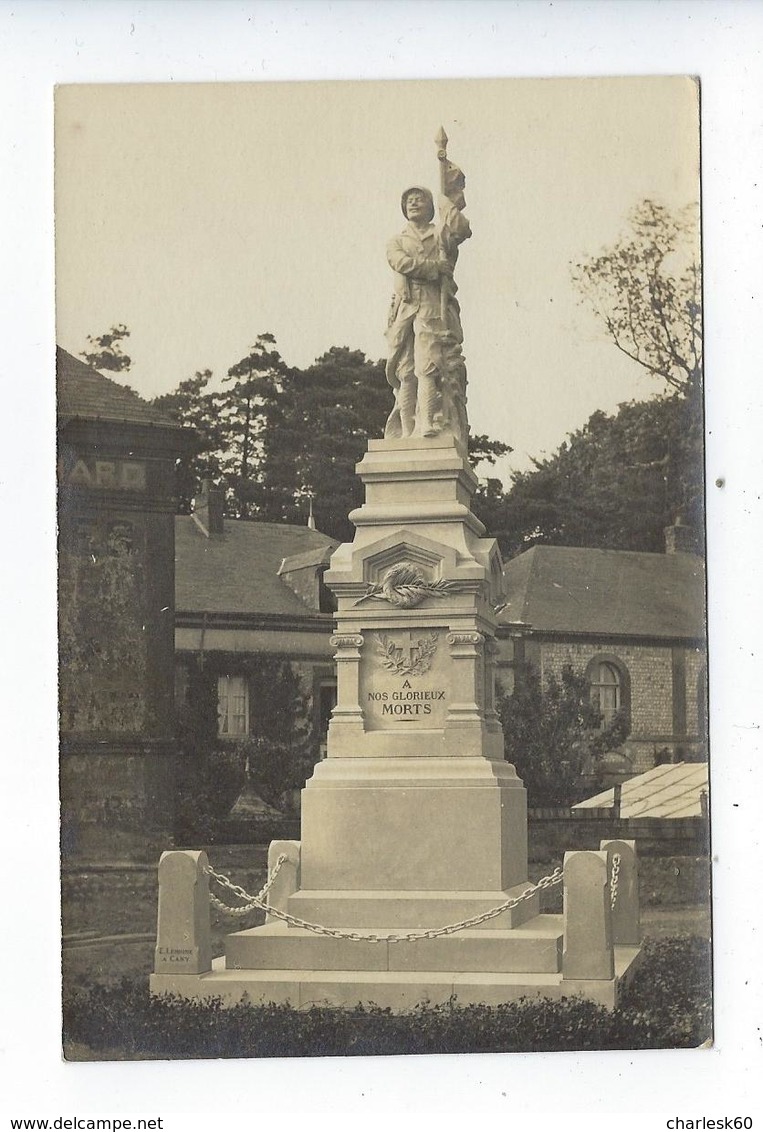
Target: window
x: 232, y: 706
x: 610, y: 687
x: 606, y: 691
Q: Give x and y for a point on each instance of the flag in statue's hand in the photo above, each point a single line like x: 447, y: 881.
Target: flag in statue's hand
x: 452, y: 179
x: 453, y: 182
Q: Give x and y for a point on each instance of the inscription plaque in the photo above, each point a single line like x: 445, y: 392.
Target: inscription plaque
x: 405, y: 679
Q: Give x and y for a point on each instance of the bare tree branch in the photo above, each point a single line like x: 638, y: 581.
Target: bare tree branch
x: 651, y: 313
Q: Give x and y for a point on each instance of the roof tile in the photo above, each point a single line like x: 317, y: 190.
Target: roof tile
x: 237, y: 572
x: 602, y: 592
x: 86, y: 394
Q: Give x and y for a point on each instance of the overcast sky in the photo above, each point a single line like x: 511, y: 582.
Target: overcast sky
x: 202, y: 215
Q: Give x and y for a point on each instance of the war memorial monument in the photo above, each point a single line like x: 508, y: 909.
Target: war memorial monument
x: 410, y: 881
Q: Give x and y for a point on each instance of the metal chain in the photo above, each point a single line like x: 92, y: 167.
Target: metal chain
x: 252, y: 901
x: 614, y: 880
x: 338, y: 933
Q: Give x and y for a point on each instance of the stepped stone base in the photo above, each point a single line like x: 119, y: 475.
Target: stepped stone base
x: 397, y: 990
x: 536, y: 948
x: 410, y: 909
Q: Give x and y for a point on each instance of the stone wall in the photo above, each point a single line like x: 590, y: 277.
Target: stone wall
x: 552, y: 835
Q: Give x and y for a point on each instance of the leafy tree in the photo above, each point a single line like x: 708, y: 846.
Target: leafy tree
x: 105, y: 350
x: 282, y: 749
x: 647, y: 291
x: 196, y: 407
x: 490, y: 504
x: 276, y: 757
x: 620, y: 480
x: 209, y: 773
x: 554, y: 736
x: 316, y: 429
x: 282, y: 437
x: 228, y: 423
x: 484, y: 450
x: 616, y: 483
x: 316, y: 425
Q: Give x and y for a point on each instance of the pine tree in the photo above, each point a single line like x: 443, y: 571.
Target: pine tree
x: 253, y: 383
x: 197, y: 408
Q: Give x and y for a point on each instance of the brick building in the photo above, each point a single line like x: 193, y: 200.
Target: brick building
x: 634, y: 623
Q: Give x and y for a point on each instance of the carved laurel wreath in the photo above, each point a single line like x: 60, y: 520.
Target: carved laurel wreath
x: 404, y: 586
x: 394, y: 660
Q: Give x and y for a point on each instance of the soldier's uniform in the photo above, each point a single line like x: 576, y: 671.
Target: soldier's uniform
x: 421, y: 346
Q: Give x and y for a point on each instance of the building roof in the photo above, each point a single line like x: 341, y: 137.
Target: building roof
x: 669, y: 791
x: 570, y: 589
x: 237, y: 572
x: 86, y: 394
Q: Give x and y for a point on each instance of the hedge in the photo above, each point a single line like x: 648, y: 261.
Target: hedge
x: 667, y: 1006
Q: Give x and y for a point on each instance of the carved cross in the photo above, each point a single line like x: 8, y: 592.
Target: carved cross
x: 411, y: 651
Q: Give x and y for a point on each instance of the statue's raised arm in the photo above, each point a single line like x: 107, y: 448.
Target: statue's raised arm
x: 426, y: 366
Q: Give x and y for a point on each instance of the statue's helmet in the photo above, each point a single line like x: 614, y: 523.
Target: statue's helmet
x: 425, y: 193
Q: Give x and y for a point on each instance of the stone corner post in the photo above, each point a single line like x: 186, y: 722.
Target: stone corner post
x: 626, y: 914
x: 182, y: 936
x: 588, y: 949
x: 288, y: 879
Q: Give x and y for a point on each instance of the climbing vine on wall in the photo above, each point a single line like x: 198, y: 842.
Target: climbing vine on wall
x: 102, y: 636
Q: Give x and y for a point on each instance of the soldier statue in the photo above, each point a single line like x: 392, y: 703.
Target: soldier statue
x: 425, y: 366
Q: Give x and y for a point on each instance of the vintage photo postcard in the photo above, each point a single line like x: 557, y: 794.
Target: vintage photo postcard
x: 383, y: 663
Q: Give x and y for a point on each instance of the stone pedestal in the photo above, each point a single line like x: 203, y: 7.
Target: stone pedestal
x: 415, y: 813
x: 414, y: 820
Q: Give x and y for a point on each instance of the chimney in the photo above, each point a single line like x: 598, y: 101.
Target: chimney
x: 680, y: 538
x: 208, y: 509
x: 311, y: 517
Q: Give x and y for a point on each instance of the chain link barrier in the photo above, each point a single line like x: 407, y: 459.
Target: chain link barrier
x: 258, y: 901
x: 253, y: 902
x: 613, y: 881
